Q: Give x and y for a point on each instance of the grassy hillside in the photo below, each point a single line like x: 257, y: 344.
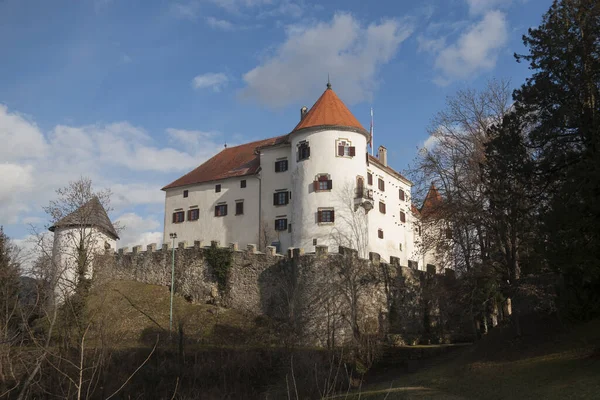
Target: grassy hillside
x: 131, y: 313
x: 546, y: 362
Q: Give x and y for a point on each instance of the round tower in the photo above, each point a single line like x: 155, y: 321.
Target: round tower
x: 78, y: 238
x: 329, y: 166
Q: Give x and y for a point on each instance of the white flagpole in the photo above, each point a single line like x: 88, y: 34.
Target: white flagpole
x: 372, y: 130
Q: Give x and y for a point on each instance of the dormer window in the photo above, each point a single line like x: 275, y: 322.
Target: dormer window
x: 345, y: 148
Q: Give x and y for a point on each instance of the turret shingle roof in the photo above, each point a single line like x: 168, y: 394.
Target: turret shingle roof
x: 90, y: 214
x: 329, y: 111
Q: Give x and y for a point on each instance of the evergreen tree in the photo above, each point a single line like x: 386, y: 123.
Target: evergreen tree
x: 509, y: 189
x: 561, y: 103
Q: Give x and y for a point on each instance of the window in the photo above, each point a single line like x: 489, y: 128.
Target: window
x: 193, y: 214
x: 281, y: 224
x: 402, y: 216
x: 303, y: 151
x: 382, y: 207
x: 239, y: 208
x: 220, y: 210
x: 401, y: 194
x: 178, y: 216
x: 381, y: 185
x: 380, y: 233
x: 185, y: 193
x: 325, y: 216
x: 314, y: 242
x: 419, y: 230
x: 290, y: 228
x: 323, y: 182
x: 243, y: 183
x: 400, y: 246
x: 369, y: 178
x: 281, y: 198
x: 217, y: 188
x: 344, y: 149
x: 281, y: 165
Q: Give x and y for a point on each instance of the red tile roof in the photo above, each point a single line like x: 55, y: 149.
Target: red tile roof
x: 390, y: 170
x: 329, y: 110
x: 432, y: 203
x: 230, y: 162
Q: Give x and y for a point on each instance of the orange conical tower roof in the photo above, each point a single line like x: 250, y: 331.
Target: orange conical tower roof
x: 330, y: 111
x: 432, y: 203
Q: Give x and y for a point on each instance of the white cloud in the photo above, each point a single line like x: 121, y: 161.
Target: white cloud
x: 19, y: 137
x: 431, y: 142
x: 139, y: 231
x: 351, y: 54
x: 430, y: 45
x: 119, y: 156
x: 186, y: 9
x: 477, y: 7
x: 16, y: 182
x: 216, y: 81
x: 476, y: 49
x: 219, y: 24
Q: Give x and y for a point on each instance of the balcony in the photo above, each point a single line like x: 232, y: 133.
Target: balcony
x: 363, y: 198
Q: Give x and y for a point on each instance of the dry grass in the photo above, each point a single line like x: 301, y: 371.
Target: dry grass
x: 129, y: 314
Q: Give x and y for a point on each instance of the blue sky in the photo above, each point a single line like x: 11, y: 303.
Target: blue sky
x: 135, y: 93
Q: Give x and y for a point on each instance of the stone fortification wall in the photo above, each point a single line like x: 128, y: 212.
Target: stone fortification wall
x: 321, y: 298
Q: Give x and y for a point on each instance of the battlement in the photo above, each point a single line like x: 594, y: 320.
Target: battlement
x: 292, y: 252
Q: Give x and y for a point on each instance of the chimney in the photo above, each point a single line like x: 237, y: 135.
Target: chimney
x: 382, y: 155
x: 303, y: 112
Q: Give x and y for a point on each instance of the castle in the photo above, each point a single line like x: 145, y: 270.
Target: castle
x: 316, y: 185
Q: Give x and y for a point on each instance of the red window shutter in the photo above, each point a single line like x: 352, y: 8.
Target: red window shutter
x: 340, y: 150
x: 369, y: 179
x: 402, y: 217
x: 330, y: 184
x: 384, y: 208
x: 401, y: 194
x: 319, y: 216
x: 216, y: 211
x: 332, y: 216
x: 352, y: 151
x: 174, y: 217
x: 316, y: 186
x: 189, y: 214
x: 287, y: 198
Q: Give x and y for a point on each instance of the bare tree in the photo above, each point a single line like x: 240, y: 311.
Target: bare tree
x: 454, y: 160
x: 351, y: 224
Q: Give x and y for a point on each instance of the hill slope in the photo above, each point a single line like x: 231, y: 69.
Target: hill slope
x: 546, y: 362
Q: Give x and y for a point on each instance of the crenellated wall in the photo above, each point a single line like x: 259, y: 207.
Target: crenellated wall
x: 307, y: 293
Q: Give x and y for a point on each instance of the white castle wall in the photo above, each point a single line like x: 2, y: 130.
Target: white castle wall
x: 64, y: 253
x: 230, y: 228
x: 395, y: 232
x: 271, y: 182
x: 323, y: 160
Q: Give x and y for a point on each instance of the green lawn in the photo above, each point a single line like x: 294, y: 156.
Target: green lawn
x: 567, y: 367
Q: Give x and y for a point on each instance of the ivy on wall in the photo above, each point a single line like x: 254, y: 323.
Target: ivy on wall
x: 220, y: 259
